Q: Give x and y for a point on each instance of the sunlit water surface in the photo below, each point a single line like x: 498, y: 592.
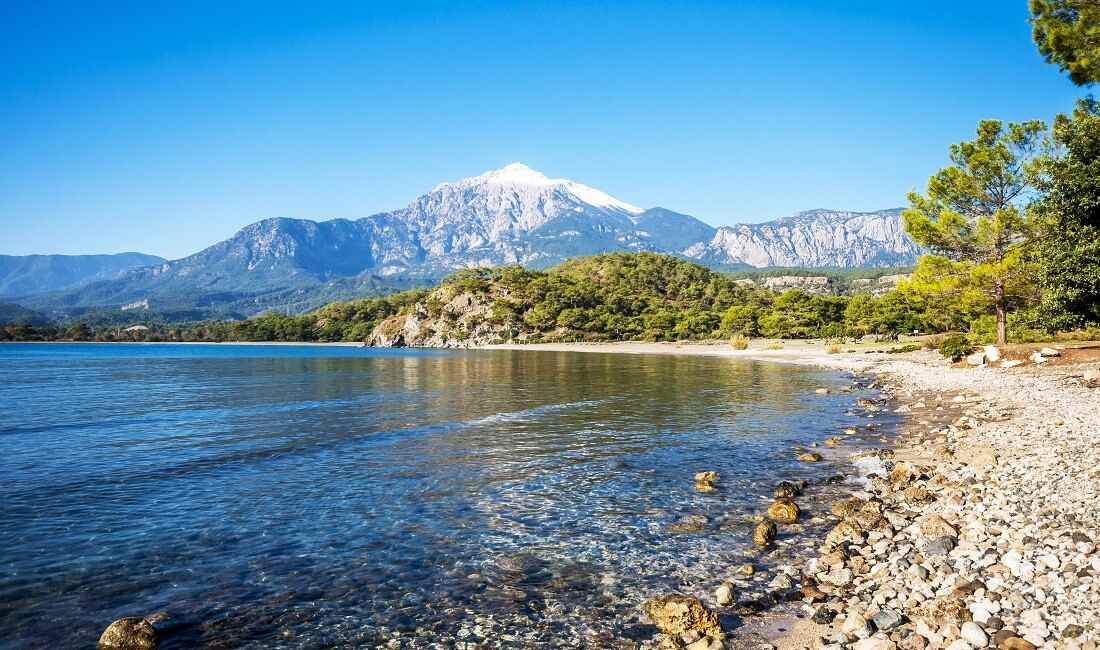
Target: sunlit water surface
x: 266, y: 496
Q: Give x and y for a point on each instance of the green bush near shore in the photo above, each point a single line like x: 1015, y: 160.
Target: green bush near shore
x: 955, y: 347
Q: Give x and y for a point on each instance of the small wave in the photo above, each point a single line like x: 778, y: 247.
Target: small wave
x: 532, y: 413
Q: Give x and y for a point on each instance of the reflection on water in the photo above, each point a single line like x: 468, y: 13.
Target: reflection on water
x: 311, y: 497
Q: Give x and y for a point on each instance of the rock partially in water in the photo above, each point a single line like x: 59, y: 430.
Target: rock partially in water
x: 129, y: 633
x: 809, y: 457
x: 764, y: 533
x: 784, y: 511
x: 723, y: 595
x: 787, y: 489
x: 676, y: 614
x: 746, y: 570
x: 706, y: 481
x: 707, y: 477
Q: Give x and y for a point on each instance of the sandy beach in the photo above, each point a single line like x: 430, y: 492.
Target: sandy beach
x: 978, y: 527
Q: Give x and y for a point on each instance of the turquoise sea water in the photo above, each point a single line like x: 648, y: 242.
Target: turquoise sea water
x: 310, y: 497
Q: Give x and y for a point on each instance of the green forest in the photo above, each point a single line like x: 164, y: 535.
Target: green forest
x: 1011, y: 224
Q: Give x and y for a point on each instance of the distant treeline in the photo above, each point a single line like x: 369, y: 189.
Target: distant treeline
x: 620, y: 296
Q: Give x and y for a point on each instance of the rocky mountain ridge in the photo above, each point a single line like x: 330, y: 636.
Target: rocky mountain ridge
x: 510, y: 216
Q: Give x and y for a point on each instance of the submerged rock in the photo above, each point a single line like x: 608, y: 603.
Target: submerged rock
x: 689, y: 524
x: 129, y: 633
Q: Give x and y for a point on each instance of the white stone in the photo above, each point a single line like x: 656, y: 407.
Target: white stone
x: 723, y: 595
x: 974, y: 634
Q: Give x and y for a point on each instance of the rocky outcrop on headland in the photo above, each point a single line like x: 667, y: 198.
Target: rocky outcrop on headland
x: 461, y: 319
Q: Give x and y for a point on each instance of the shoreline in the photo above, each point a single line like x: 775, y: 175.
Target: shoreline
x: 979, y: 530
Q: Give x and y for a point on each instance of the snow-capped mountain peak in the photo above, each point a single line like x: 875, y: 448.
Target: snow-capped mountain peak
x: 521, y: 178
x: 515, y: 173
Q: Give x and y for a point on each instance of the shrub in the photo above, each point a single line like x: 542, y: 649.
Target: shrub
x: 909, y: 347
x: 955, y: 347
x: 935, y: 341
x: 833, y: 348
x: 740, y: 342
x: 774, y: 345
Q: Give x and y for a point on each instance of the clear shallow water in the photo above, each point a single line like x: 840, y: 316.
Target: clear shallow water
x: 270, y: 496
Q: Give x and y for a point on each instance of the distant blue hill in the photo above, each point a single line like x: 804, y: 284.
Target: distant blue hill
x: 23, y: 275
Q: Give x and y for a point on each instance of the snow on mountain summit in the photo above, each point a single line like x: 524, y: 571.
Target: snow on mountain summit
x: 523, y: 179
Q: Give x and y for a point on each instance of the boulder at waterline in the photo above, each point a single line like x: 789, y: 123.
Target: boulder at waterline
x: 676, y: 614
x: 764, y: 533
x: 809, y: 457
x: 723, y: 595
x: 129, y: 633
x: 786, y: 490
x: 784, y: 511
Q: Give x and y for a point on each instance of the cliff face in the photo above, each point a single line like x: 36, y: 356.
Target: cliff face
x: 818, y: 238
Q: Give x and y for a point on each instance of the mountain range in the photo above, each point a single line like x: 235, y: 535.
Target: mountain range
x: 513, y: 215
x: 22, y: 275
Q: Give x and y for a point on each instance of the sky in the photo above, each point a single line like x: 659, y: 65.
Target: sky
x: 165, y: 127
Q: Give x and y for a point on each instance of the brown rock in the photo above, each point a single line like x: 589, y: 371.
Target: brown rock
x: 846, y: 507
x: 944, y: 610
x: 809, y: 457
x: 934, y: 526
x: 917, y: 495
x: 764, y: 533
x: 786, y: 490
x: 1015, y: 643
x: 867, y: 520
x: 809, y: 589
x: 784, y: 511
x: 707, y: 477
x: 903, y: 474
x: 129, y: 634
x: 845, y: 531
x: 676, y: 614
x: 746, y: 570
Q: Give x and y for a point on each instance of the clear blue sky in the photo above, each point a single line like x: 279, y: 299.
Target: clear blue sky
x: 163, y: 129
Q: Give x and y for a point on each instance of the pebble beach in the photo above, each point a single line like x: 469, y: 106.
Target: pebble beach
x: 980, y: 528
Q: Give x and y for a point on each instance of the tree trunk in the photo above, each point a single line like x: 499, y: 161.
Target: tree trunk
x: 1002, y: 328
